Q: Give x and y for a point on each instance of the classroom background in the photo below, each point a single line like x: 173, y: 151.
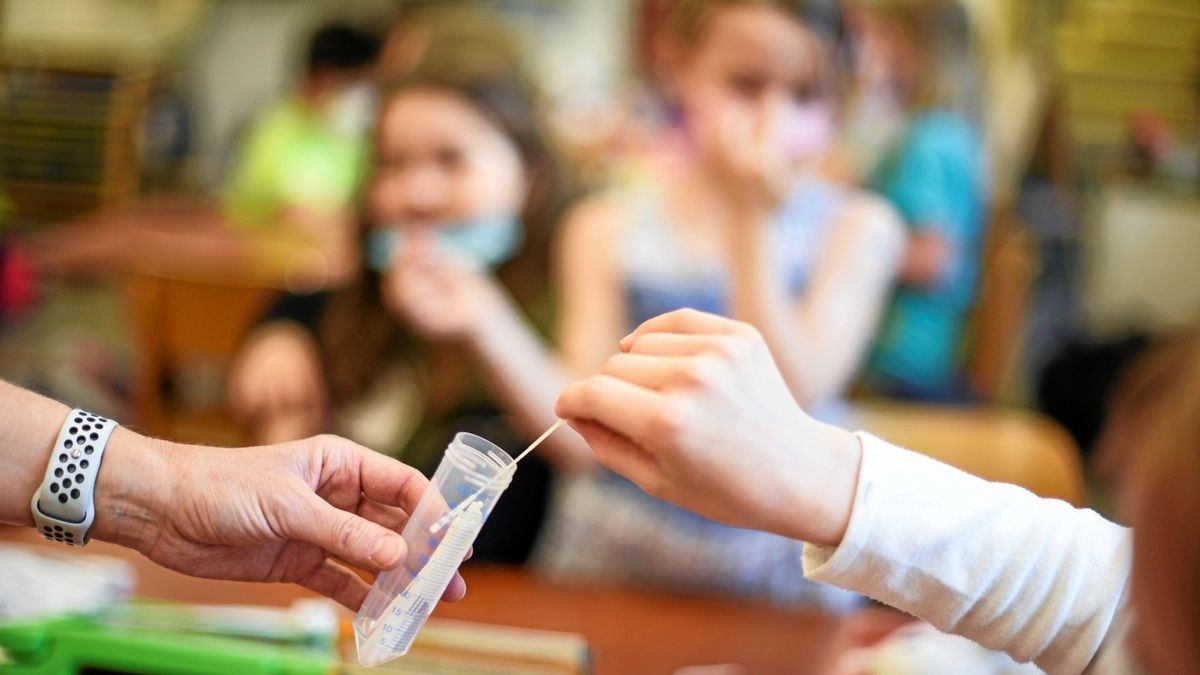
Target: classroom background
x: 178, y: 177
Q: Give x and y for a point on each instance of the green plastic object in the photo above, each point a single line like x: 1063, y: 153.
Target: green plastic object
x: 78, y: 645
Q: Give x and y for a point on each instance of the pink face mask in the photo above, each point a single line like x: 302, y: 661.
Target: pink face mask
x: 806, y: 130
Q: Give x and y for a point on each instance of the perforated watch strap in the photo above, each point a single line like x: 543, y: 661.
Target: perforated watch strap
x: 63, y: 508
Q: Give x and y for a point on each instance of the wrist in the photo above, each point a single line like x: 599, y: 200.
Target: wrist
x: 749, y: 236
x: 824, y: 486
x: 845, y: 457
x: 132, y: 490
x: 31, y: 442
x: 753, y: 213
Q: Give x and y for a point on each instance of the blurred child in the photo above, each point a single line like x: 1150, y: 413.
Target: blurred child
x: 435, y: 332
x: 708, y: 424
x: 923, y: 69
x: 728, y: 217
x: 302, y: 164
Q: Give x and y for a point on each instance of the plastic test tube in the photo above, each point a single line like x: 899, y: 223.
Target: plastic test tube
x: 403, y: 597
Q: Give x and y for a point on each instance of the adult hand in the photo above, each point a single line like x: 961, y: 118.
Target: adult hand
x: 694, y: 411
x: 440, y: 297
x: 301, y: 512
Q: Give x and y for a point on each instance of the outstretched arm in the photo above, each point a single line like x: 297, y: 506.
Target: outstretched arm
x: 288, y: 512
x: 694, y: 411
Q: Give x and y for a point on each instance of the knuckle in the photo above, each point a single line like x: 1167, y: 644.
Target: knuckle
x: 745, y: 330
x: 742, y: 346
x: 726, y: 348
x: 347, y: 533
x: 654, y: 485
x: 700, y: 370
x: 592, y: 392
x: 668, y: 420
x: 692, y: 371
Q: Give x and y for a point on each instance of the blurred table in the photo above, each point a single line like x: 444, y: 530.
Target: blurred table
x: 628, y: 631
x: 190, y: 240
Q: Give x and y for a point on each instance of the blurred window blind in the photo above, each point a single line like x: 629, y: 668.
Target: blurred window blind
x: 68, y: 139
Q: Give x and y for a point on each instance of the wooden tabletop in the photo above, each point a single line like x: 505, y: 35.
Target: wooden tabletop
x: 628, y: 630
x: 641, y: 631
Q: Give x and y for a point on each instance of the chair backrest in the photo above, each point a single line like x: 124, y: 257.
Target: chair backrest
x: 1004, y: 445
x: 997, y: 325
x: 187, y: 333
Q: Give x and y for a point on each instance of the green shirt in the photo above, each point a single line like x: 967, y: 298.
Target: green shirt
x: 293, y: 158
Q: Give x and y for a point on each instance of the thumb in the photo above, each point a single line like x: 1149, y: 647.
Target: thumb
x: 351, y: 538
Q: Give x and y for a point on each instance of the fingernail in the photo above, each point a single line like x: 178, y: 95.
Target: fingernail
x: 624, y: 342
x: 387, y: 551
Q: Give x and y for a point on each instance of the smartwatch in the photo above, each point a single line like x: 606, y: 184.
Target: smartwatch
x: 63, y: 507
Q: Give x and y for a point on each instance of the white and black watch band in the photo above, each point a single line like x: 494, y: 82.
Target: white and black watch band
x: 63, y: 508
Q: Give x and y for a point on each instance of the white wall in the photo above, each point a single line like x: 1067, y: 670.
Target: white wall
x: 123, y: 29
x: 242, y: 59
x: 1142, y: 260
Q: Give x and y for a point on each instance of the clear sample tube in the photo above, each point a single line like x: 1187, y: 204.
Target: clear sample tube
x: 470, y: 478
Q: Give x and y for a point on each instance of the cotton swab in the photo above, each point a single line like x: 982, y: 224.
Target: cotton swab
x: 505, y: 473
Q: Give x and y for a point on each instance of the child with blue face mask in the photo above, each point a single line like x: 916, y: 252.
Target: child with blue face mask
x: 439, y: 332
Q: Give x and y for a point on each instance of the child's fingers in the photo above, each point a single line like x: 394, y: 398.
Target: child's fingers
x: 670, y: 344
x: 688, y: 321
x: 619, y: 454
x: 651, y: 372
x: 622, y: 407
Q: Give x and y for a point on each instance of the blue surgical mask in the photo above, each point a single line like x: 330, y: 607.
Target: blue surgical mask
x: 489, y: 241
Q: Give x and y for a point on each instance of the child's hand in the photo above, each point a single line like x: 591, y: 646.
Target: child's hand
x: 440, y: 297
x: 695, y: 412
x: 755, y: 163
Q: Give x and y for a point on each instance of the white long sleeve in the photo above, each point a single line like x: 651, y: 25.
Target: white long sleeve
x: 1032, y: 577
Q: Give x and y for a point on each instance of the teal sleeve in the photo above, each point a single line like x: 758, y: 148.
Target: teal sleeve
x: 935, y: 184
x: 918, y: 184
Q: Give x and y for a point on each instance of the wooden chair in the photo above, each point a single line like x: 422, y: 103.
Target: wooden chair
x: 998, y: 321
x: 186, y: 332
x: 1005, y: 445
